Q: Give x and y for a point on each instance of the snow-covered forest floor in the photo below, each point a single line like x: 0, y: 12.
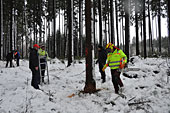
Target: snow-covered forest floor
x: 147, y: 91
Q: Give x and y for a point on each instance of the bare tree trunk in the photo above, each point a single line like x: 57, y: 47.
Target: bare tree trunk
x: 59, y: 36
x: 123, y: 37
x: 90, y: 85
x: 100, y: 23
x: 11, y: 25
x: 70, y: 15
x: 80, y: 27
x: 144, y: 29
x: 94, y: 29
x: 1, y: 28
x: 159, y: 25
x: 117, y: 28
x: 141, y: 38
x: 65, y: 30
x: 169, y: 25
x: 22, y: 35
x: 54, y: 30
x: 109, y: 34
x: 150, y: 31
x: 112, y: 22
x: 137, y: 32
x: 14, y: 25
x: 127, y: 35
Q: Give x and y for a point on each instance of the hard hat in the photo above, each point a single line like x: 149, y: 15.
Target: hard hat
x: 36, y: 45
x: 109, y: 45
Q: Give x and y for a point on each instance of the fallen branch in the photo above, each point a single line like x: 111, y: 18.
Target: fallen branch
x: 136, y: 103
x: 132, y: 98
x: 79, y: 73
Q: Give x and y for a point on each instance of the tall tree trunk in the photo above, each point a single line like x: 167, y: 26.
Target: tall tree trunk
x: 22, y: 35
x: 141, y: 38
x: 90, y: 85
x: 127, y: 35
x: 1, y: 27
x: 123, y: 37
x: 94, y: 27
x: 26, y: 36
x: 54, y: 30
x: 11, y: 25
x: 137, y: 32
x: 112, y: 22
x: 100, y: 23
x: 14, y: 24
x: 117, y: 28
x: 144, y: 29
x: 80, y: 27
x: 150, y: 31
x: 70, y: 15
x: 65, y: 29
x: 40, y: 26
x: 159, y: 25
x: 105, y: 31
x: 169, y: 24
x: 59, y: 35
x: 156, y: 24
x: 109, y: 34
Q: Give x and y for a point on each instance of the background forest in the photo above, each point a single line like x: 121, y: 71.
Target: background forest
x: 60, y: 25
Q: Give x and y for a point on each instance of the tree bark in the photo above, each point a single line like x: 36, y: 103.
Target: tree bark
x: 117, y: 28
x: 70, y: 14
x: 169, y: 24
x: 144, y: 29
x: 137, y: 32
x: 80, y: 27
x: 54, y: 30
x: 150, y: 31
x: 159, y: 25
x: 90, y: 85
x: 127, y: 35
x: 112, y: 22
x: 11, y: 22
x: 1, y: 27
x: 94, y: 27
x: 100, y: 23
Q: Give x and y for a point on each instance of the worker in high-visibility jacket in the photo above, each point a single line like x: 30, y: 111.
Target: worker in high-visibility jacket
x: 43, y: 55
x: 116, y: 60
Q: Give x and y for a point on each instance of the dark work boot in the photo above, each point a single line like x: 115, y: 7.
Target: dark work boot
x: 103, y: 80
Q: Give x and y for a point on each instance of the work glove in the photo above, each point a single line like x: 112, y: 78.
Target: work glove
x: 103, y: 69
x: 122, y: 66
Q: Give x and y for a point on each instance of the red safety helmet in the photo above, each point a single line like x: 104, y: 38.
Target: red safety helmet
x: 36, y: 45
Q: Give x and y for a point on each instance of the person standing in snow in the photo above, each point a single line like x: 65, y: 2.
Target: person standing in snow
x: 116, y: 60
x: 9, y: 58
x: 43, y: 55
x: 34, y: 66
x: 17, y: 57
x: 102, y: 56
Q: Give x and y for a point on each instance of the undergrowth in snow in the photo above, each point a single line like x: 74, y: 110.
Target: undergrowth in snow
x: 146, y: 90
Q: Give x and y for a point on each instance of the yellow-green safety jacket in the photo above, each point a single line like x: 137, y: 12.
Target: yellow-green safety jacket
x: 115, y: 59
x: 42, y: 53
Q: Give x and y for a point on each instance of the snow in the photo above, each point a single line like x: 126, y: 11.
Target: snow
x: 150, y: 87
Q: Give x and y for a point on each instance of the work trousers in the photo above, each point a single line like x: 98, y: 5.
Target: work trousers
x: 116, y: 79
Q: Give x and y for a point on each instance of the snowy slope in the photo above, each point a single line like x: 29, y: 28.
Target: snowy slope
x: 148, y: 92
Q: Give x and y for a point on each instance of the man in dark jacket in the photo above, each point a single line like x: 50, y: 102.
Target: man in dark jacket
x: 102, y: 56
x: 9, y: 58
x: 17, y: 57
x: 34, y: 66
